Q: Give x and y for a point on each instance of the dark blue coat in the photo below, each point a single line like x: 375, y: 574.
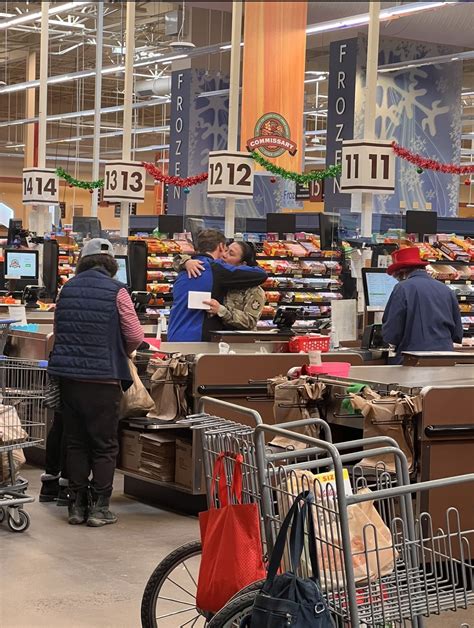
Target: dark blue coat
x: 187, y: 325
x: 88, y: 341
x: 422, y: 314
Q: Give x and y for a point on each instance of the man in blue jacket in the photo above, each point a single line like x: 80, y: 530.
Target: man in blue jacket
x: 422, y: 313
x: 190, y: 325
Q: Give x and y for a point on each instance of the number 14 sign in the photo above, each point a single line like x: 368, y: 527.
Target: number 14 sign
x: 230, y: 175
x: 368, y: 166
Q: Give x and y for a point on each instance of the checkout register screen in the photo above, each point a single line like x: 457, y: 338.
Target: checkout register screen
x: 379, y: 289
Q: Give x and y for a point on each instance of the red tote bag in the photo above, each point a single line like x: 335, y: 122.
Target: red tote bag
x: 231, y: 542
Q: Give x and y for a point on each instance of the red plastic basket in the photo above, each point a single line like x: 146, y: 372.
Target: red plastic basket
x: 303, y: 344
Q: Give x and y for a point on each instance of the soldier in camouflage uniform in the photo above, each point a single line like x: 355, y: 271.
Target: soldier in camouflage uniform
x: 241, y: 308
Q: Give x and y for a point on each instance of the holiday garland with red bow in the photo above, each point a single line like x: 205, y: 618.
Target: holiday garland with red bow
x: 422, y: 163
x: 181, y: 182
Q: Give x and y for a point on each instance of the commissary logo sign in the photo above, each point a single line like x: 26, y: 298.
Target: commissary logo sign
x: 272, y: 136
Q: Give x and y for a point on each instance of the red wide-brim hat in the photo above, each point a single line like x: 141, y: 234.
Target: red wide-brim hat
x: 406, y: 258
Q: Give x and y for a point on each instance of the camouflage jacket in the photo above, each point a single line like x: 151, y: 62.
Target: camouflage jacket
x: 241, y: 308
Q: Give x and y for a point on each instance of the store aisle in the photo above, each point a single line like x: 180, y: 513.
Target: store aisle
x: 57, y: 575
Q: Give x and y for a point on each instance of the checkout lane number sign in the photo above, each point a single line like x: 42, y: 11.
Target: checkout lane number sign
x: 40, y: 185
x: 231, y: 175
x: 124, y: 181
x: 368, y: 166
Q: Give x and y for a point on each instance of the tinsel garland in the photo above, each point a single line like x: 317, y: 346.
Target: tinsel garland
x: 77, y: 183
x: 302, y: 178
x: 181, y: 182
x: 430, y: 164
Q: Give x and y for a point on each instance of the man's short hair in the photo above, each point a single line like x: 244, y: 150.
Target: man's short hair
x: 209, y: 239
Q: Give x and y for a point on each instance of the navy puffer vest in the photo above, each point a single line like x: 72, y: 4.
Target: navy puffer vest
x: 88, y: 340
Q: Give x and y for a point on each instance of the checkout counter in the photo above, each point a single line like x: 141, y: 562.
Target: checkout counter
x: 444, y: 428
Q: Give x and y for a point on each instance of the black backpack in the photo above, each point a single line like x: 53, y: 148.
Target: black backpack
x: 288, y: 600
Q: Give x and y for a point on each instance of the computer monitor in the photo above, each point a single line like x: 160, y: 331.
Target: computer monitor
x: 21, y: 264
x: 329, y: 230
x: 195, y: 225
x: 14, y: 229
x: 86, y: 225
x: 123, y: 273
x: 171, y: 224
x: 421, y: 222
x: 378, y: 286
x: 281, y: 224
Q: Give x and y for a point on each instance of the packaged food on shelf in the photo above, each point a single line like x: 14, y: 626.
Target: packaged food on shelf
x: 428, y: 252
x: 453, y: 251
x: 466, y: 244
x: 273, y: 297
x: 313, y: 267
x: 442, y: 272
x: 465, y: 272
x: 159, y: 262
x: 296, y: 249
x: 274, y: 249
x: 333, y: 267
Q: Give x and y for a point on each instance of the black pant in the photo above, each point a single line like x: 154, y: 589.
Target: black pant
x: 90, y: 414
x: 55, y: 462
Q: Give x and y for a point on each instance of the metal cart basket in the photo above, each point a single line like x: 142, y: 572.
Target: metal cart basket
x: 392, y: 568
x: 22, y: 424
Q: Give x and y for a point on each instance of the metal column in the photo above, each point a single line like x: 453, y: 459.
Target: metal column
x: 97, y: 103
x: 370, y: 103
x: 127, y: 103
x: 234, y: 93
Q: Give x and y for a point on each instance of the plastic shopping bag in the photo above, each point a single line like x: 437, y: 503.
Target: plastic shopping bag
x: 136, y: 400
x: 231, y: 542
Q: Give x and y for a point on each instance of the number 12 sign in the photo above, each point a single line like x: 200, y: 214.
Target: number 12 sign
x: 124, y: 181
x: 368, y: 166
x: 230, y: 175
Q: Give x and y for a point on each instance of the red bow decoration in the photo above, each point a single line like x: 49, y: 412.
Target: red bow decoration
x: 182, y: 182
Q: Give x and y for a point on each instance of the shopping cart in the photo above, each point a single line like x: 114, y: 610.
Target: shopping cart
x: 416, y: 570
x: 22, y: 424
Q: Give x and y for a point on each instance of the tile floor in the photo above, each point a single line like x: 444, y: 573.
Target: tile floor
x: 60, y: 576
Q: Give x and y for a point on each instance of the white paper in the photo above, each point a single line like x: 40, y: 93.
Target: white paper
x: 344, y: 318
x: 17, y: 313
x: 195, y: 300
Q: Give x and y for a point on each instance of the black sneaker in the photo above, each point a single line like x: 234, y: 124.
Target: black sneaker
x: 78, y: 508
x: 49, y: 488
x: 99, y: 514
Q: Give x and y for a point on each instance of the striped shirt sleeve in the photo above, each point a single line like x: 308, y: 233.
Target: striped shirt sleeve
x: 132, y: 331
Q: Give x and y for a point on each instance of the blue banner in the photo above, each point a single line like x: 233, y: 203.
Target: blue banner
x: 179, y: 137
x: 340, y: 124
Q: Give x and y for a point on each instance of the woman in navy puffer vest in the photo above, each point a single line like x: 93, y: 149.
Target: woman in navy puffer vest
x: 95, y: 328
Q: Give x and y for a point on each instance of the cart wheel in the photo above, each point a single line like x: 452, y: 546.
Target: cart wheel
x: 2, y: 514
x: 169, y: 599
x: 21, y: 525
x: 234, y: 611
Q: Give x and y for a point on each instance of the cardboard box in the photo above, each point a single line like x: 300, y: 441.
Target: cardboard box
x: 130, y: 450
x: 184, y: 469
x: 157, y: 457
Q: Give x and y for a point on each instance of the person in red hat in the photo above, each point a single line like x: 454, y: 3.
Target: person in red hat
x: 422, y: 314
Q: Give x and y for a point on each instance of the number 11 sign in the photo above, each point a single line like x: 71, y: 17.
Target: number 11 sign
x: 368, y: 166
x: 230, y: 175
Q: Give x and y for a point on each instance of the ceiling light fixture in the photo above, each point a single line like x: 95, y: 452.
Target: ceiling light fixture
x: 36, y: 15
x: 385, y: 14
x: 67, y: 24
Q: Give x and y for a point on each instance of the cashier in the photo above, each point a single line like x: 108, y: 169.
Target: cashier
x: 422, y: 314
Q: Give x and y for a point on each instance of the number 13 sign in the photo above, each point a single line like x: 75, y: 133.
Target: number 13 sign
x: 230, y: 175
x: 368, y: 166
x: 124, y: 181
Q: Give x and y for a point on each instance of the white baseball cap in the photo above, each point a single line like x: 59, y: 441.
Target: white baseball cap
x: 97, y: 246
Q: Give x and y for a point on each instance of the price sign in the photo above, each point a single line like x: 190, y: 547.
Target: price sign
x: 230, y: 175
x: 124, y: 181
x: 40, y: 185
x: 368, y: 166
